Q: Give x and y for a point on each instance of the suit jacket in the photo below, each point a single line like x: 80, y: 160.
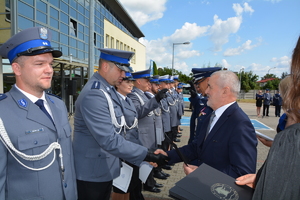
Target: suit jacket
x: 230, y: 146
x: 31, y: 132
x: 97, y: 144
x: 146, y: 122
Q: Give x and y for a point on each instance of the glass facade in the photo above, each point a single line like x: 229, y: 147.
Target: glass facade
x: 69, y: 24
x: 68, y: 21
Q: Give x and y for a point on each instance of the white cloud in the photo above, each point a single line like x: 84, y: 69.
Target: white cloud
x: 237, y: 51
x: 221, y: 30
x: 160, y: 50
x: 225, y: 64
x: 282, y: 62
x: 143, y: 12
x: 188, y: 32
x: 273, y: 1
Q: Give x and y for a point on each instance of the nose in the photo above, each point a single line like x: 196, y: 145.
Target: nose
x: 122, y: 74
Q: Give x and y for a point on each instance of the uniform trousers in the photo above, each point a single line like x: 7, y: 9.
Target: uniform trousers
x: 94, y: 190
x: 266, y: 110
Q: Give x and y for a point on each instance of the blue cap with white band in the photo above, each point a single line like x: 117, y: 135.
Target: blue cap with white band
x: 29, y: 42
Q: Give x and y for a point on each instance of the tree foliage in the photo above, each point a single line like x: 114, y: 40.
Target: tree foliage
x: 155, y: 71
x: 248, y: 81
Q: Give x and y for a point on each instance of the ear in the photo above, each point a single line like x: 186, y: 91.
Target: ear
x: 16, y: 68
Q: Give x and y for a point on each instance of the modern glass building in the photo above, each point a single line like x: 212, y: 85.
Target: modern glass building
x: 79, y: 28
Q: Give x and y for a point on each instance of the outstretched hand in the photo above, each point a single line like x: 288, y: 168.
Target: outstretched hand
x: 247, y: 179
x: 159, y: 159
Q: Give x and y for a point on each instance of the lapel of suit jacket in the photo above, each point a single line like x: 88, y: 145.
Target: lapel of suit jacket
x: 216, y: 129
x: 34, y: 113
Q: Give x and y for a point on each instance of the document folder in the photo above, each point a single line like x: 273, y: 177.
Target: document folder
x: 207, y: 183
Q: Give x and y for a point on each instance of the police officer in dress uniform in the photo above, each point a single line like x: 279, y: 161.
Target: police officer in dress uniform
x: 36, y: 156
x: 160, y: 137
x: 267, y: 101
x: 173, y: 104
x: 164, y: 84
x: 147, y: 124
x: 98, y: 123
x: 198, y: 99
x: 180, y: 100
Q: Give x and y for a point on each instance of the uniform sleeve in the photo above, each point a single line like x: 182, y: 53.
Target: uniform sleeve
x: 145, y: 109
x: 3, y: 163
x: 95, y: 113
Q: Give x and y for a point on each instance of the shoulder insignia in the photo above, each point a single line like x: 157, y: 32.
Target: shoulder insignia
x: 2, y: 96
x: 96, y: 85
x: 54, y: 96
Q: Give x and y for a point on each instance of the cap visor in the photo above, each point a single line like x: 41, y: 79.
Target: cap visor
x: 124, y: 67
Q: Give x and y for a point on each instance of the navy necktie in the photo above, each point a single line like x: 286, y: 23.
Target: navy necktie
x: 40, y: 104
x: 126, y: 99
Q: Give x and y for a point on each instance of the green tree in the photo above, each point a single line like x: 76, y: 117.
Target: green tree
x: 248, y: 81
x: 155, y: 71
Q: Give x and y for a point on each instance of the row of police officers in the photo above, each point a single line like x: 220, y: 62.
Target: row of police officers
x: 38, y: 159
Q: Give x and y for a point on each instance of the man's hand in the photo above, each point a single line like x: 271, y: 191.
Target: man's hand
x: 159, y: 159
x: 189, y: 169
x: 161, y: 94
x: 247, y: 179
x: 160, y: 151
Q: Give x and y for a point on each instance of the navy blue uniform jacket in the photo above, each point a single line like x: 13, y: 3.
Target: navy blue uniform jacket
x: 230, y: 146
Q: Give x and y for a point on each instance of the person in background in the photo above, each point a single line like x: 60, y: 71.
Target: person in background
x: 277, y: 102
x: 34, y: 124
x: 267, y: 101
x: 259, y: 98
x: 283, y: 87
x: 227, y: 141
x: 278, y: 178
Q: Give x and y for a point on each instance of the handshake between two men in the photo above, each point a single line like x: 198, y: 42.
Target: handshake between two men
x: 161, y: 158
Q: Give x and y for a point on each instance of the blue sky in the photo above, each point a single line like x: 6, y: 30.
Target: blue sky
x: 257, y: 35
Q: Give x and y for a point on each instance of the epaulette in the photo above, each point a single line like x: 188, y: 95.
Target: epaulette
x: 2, y: 96
x: 54, y: 95
x: 96, y: 85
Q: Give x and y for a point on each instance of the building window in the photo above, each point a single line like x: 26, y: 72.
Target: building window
x: 112, y: 43
x: 117, y: 44
x: 121, y: 46
x: 107, y: 41
x: 125, y: 47
x: 73, y: 27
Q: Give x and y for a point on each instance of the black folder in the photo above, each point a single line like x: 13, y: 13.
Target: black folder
x: 207, y: 183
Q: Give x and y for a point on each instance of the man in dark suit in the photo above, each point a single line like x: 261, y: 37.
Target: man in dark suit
x: 229, y: 142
